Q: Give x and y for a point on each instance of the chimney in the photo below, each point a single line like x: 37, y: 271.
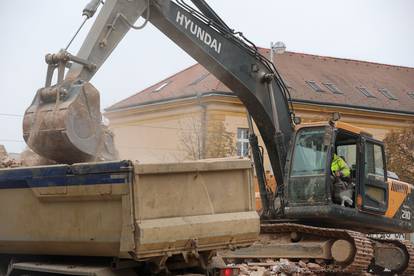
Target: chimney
x: 276, y: 48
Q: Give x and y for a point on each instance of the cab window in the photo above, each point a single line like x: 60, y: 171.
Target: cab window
x: 348, y: 153
x: 310, y: 153
x: 307, y: 181
x: 374, y: 173
x: 374, y: 162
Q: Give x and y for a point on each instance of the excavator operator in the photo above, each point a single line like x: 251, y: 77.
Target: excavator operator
x: 342, y: 187
x: 339, y: 167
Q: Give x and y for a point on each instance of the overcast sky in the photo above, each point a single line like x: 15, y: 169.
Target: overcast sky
x: 373, y: 30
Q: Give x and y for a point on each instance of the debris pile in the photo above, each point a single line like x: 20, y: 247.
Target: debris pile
x: 283, y: 267
x: 28, y: 158
x: 6, y: 161
x: 279, y: 267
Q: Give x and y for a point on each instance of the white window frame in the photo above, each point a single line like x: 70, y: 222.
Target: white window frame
x: 242, y: 142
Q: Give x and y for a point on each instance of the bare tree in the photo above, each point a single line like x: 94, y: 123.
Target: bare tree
x: 220, y: 142
x: 191, y: 138
x: 399, y: 146
x: 199, y: 141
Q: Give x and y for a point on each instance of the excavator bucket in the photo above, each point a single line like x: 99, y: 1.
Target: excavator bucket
x: 64, y: 124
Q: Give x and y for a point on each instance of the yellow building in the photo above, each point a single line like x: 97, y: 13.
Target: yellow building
x: 193, y: 115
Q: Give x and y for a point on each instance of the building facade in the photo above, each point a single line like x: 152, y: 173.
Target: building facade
x: 192, y: 115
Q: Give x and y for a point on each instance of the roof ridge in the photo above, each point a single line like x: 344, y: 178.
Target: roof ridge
x: 343, y: 59
x: 367, y: 74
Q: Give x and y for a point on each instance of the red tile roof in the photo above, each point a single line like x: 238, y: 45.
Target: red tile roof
x: 297, y: 69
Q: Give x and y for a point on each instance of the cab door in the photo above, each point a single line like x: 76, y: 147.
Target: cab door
x: 373, y: 188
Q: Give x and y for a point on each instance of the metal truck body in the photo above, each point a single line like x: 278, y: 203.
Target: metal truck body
x: 127, y: 210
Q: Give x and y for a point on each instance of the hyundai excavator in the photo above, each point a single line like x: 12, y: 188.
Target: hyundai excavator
x: 304, y: 216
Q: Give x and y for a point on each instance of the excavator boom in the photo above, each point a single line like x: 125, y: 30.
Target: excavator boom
x: 67, y: 114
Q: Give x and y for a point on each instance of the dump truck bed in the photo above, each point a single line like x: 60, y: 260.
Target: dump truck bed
x: 128, y: 210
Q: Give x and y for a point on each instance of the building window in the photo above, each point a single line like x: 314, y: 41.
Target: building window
x: 387, y: 94
x: 242, y: 141
x: 161, y: 87
x: 333, y: 88
x: 315, y: 86
x: 365, y: 91
x: 411, y: 94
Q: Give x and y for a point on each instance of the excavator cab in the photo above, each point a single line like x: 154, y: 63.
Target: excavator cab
x: 367, y: 200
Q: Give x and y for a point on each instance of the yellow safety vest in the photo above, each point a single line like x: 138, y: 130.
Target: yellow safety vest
x: 339, y: 165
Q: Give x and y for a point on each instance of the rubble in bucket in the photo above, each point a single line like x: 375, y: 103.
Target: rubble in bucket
x: 30, y: 159
x: 6, y: 161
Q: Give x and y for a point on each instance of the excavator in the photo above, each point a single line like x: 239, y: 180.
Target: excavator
x: 304, y: 216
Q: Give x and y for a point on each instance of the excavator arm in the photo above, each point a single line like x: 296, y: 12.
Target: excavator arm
x: 202, y: 34
x: 239, y: 66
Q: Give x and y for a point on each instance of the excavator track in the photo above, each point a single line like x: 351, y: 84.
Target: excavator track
x: 363, y: 253
x: 406, y: 246
x: 410, y: 249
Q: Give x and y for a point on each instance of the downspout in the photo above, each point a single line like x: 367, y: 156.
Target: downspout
x: 203, y: 125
